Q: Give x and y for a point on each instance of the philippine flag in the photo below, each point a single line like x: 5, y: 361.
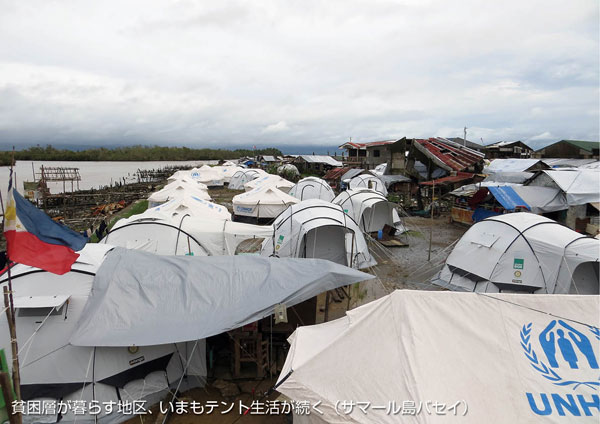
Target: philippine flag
x: 34, y: 239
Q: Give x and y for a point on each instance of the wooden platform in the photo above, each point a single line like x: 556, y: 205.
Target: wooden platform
x: 392, y: 243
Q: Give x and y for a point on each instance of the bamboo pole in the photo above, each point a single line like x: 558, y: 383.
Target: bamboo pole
x: 13, y: 344
x: 10, y: 312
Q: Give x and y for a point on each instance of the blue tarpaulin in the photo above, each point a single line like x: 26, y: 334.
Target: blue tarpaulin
x: 508, y: 197
x: 480, y: 214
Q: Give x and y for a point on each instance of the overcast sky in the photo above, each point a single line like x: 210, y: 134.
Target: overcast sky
x: 212, y: 73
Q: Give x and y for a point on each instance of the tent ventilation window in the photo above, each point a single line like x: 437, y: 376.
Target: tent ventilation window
x: 40, y: 312
x: 40, y: 306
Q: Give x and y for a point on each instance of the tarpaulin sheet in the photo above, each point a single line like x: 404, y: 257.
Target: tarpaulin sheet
x: 143, y: 299
x: 508, y: 197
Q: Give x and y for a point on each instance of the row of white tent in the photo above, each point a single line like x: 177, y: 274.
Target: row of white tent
x: 310, y: 229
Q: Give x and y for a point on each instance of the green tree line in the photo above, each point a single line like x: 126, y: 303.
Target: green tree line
x: 132, y: 153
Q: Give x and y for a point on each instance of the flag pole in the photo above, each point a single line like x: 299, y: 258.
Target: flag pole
x: 10, y: 312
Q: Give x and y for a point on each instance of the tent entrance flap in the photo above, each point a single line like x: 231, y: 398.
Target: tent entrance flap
x: 585, y: 278
x: 326, y: 242
x: 376, y: 217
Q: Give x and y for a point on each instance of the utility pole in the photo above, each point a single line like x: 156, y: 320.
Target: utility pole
x: 465, y: 138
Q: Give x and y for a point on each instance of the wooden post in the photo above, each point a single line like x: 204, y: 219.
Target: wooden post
x: 9, y: 305
x: 431, y: 228
x: 326, y: 317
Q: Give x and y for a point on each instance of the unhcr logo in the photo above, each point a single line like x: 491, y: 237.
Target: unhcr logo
x: 566, y: 356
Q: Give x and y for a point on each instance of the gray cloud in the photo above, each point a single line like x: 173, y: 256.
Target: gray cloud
x: 296, y: 72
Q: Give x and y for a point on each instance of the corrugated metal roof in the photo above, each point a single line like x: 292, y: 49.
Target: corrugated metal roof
x: 352, y: 173
x: 513, y: 165
x: 460, y: 176
x: 447, y: 154
x: 362, y: 146
x: 568, y: 163
x: 585, y: 145
x: 328, y: 160
x: 506, y: 143
x: 335, y: 173
x: 391, y: 179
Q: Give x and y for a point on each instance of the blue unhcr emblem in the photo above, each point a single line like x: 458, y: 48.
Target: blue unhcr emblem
x: 565, y: 348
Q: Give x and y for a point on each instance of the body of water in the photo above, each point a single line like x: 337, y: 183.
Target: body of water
x: 93, y: 174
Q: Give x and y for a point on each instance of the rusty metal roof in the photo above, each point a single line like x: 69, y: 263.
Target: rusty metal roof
x: 335, y: 173
x: 362, y: 146
x: 447, y: 154
x: 460, y: 176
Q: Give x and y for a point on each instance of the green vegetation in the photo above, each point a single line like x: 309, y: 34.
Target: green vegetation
x: 132, y: 153
x: 138, y: 207
x: 135, y: 209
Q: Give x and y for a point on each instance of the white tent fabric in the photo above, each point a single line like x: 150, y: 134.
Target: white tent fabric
x: 380, y: 169
x: 581, y: 186
x: 164, y: 235
x: 180, y: 175
x: 269, y: 180
x: 368, y: 181
x: 288, y: 168
x: 493, y: 358
x: 208, y: 176
x: 312, y: 188
x: 369, y: 208
x: 141, y: 299
x: 262, y: 202
x: 318, y: 229
x: 193, y: 206
x: 178, y: 189
x: 227, y: 171
x: 511, y: 165
x: 242, y: 177
x: 51, y: 368
x: 522, y: 252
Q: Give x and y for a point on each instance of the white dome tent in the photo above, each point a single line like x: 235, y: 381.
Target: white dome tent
x: 192, y: 205
x: 177, y: 190
x: 54, y: 369
x: 312, y: 188
x: 162, y: 234
x: 242, y: 177
x: 262, y: 202
x: 522, y: 252
x: 208, y: 176
x: 318, y: 229
x: 288, y: 169
x: 227, y: 171
x: 369, y: 181
x: 370, y: 209
x: 269, y: 180
x: 424, y: 346
x: 180, y: 175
